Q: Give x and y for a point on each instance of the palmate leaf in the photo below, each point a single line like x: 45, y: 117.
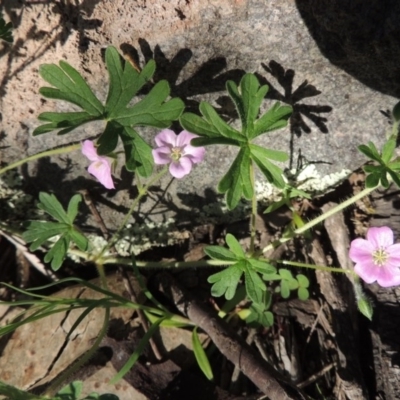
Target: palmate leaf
x: 154, y: 109
x: 378, y: 174
x: 39, y: 232
x: 5, y: 30
x: 225, y: 282
x: 213, y: 130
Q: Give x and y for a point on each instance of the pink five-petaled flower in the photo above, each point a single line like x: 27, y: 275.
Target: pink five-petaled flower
x: 177, y: 151
x: 377, y: 258
x: 100, y: 167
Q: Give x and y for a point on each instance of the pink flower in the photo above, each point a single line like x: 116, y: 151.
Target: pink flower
x: 177, y: 151
x: 377, y: 258
x: 100, y: 167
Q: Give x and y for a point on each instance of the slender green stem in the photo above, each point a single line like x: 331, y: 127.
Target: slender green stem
x: 321, y: 218
x: 142, y: 192
x: 150, y: 264
x: 60, y: 150
x: 253, y: 210
x: 317, y: 267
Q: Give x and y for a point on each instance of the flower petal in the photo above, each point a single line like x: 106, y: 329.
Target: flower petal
x: 381, y: 237
x: 89, y: 150
x: 166, y: 138
x: 361, y: 251
x: 184, y: 138
x: 388, y: 276
x: 178, y: 169
x: 162, y: 155
x: 394, y: 254
x: 367, y: 271
x: 101, y: 170
x: 196, y: 154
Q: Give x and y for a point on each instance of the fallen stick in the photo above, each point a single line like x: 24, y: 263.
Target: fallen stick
x: 235, y: 349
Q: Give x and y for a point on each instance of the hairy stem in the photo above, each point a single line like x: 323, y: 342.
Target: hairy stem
x: 321, y: 218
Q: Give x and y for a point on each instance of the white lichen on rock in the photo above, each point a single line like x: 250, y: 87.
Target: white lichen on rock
x: 15, y: 204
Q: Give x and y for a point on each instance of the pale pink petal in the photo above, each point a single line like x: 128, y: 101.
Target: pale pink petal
x: 89, y: 150
x: 162, y: 155
x: 178, y: 169
x: 367, y: 271
x: 101, y: 170
x: 361, y: 250
x: 388, y: 276
x: 196, y: 154
x: 166, y: 138
x: 394, y: 254
x: 184, y: 138
x: 380, y: 237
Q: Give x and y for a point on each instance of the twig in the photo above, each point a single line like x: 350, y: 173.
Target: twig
x: 230, y: 344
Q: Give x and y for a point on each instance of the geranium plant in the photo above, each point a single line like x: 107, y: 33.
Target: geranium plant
x: 376, y: 258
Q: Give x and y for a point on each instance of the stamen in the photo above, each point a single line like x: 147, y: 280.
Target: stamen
x: 380, y: 257
x: 176, y: 153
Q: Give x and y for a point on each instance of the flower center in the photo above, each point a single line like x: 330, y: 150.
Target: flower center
x: 176, y: 153
x: 380, y: 257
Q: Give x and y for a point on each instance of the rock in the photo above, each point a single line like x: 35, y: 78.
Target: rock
x: 197, y: 46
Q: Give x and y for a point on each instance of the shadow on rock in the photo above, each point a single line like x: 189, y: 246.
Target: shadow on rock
x: 360, y: 37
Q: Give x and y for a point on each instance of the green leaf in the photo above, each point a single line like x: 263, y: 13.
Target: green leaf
x: 236, y: 181
x: 255, y: 287
x: 137, y: 152
x: 16, y: 394
x: 285, y: 274
x: 262, y: 266
x: 234, y: 246
x: 262, y: 153
x: 395, y: 177
x: 71, y: 391
x: 39, y: 232
x: 219, y: 253
x: 58, y: 252
x: 285, y: 289
x: 73, y: 205
x: 152, y: 110
x: 201, y: 356
x: 211, y: 116
x: 303, y: 280
x: 226, y: 281
x: 198, y: 125
x: 272, y: 172
x: 388, y: 150
x: 275, y: 118
x: 396, y: 112
x: 365, y: 307
x: 50, y: 204
x: 79, y: 239
x: 370, y: 151
x: 248, y: 101
x: 303, y: 293
x: 125, y: 81
x: 5, y: 30
x: 108, y: 140
x: 372, y: 180
x: 70, y: 86
x: 205, y: 141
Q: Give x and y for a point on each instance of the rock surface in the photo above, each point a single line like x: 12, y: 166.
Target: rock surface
x: 197, y: 46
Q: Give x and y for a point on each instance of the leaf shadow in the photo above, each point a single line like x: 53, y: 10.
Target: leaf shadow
x: 72, y: 17
x: 297, y: 122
